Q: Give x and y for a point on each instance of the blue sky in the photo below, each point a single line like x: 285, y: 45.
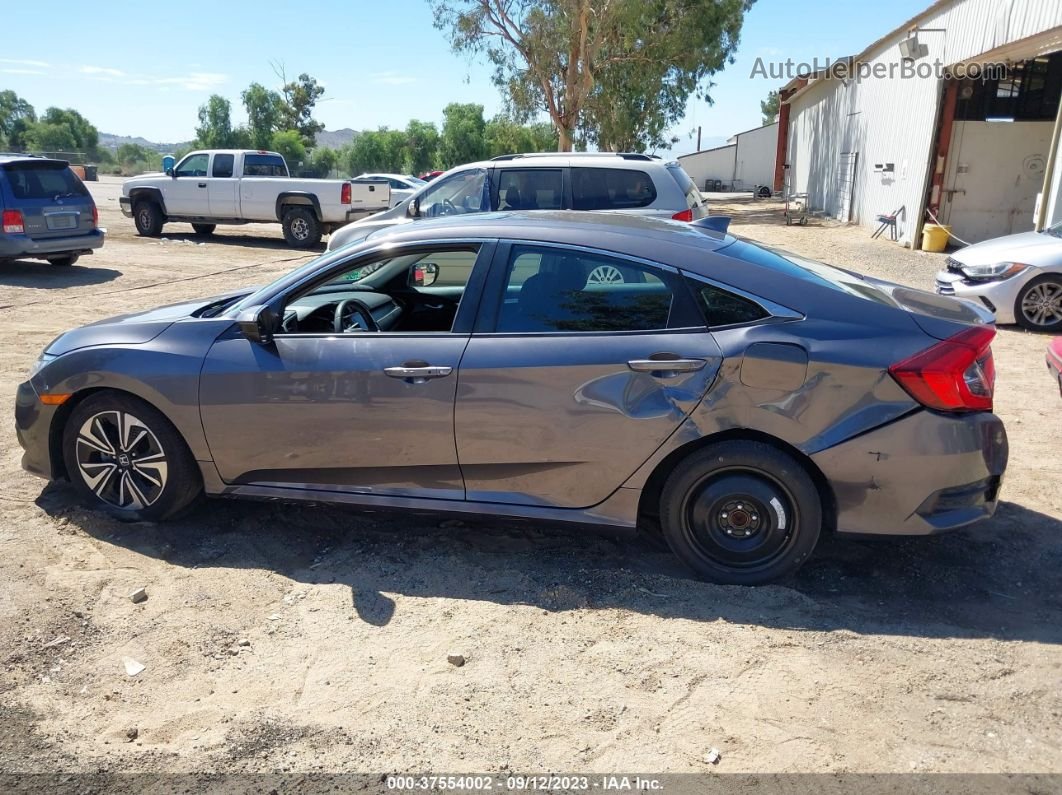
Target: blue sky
x: 144, y: 68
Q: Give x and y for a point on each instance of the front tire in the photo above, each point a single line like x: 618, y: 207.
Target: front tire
x: 124, y: 456
x: 147, y: 216
x: 301, y: 227
x: 1039, y: 305
x: 64, y: 262
x: 203, y: 230
x: 741, y: 513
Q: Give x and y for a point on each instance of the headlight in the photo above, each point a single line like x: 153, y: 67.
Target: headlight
x: 993, y: 273
x: 42, y: 360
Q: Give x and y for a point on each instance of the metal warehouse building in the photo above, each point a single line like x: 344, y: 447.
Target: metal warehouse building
x: 954, y: 114
x: 746, y: 161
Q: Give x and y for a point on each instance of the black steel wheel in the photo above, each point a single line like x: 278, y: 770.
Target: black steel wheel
x: 741, y: 513
x: 123, y: 455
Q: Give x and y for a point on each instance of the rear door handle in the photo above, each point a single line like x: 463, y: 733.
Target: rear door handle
x: 666, y: 368
x: 418, y: 374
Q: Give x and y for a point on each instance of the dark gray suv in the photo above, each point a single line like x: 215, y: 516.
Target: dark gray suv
x: 47, y: 212
x: 600, y: 369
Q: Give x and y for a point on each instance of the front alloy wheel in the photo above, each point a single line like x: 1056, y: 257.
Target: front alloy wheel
x: 121, y: 460
x: 124, y: 455
x: 1040, y: 304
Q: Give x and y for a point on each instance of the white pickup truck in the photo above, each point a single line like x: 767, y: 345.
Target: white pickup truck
x: 234, y: 186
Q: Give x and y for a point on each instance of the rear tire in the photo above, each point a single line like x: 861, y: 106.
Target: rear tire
x: 148, y: 218
x: 741, y: 513
x: 124, y: 456
x: 301, y: 227
x: 64, y: 262
x: 204, y: 229
x: 1038, y: 306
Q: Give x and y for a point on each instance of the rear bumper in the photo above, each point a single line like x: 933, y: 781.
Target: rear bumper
x: 926, y: 473
x: 12, y: 246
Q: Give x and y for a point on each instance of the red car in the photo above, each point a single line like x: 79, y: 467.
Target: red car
x: 1054, y: 360
x: 428, y: 176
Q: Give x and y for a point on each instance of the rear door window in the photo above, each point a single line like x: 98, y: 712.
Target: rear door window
x: 550, y: 289
x: 222, y: 165
x: 44, y: 180
x: 530, y: 189
x: 611, y: 189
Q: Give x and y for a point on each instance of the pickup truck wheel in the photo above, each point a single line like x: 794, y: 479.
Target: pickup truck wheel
x: 204, y: 229
x: 301, y: 227
x: 148, y: 218
x: 63, y: 261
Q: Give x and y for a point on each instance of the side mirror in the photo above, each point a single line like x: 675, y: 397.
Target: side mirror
x: 170, y: 172
x: 413, y: 208
x: 257, y: 324
x: 423, y: 274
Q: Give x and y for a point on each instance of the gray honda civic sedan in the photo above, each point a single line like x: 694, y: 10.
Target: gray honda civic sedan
x: 596, y: 369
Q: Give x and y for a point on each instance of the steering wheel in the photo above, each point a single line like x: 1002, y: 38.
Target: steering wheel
x: 351, y: 307
x: 448, y: 208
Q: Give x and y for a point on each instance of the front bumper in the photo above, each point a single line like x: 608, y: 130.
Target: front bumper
x: 923, y: 474
x: 13, y: 246
x: 998, y: 297
x: 126, y: 205
x: 33, y: 422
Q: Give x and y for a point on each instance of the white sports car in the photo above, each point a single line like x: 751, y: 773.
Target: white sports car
x: 1018, y: 277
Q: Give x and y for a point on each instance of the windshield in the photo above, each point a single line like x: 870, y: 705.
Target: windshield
x: 287, y: 279
x: 1054, y: 231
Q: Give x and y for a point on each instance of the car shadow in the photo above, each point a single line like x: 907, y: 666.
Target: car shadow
x: 38, y: 274
x: 226, y: 238
x: 998, y: 579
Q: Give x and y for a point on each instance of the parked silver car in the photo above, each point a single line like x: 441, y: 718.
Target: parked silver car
x: 1017, y: 277
x: 734, y: 400
x: 631, y: 183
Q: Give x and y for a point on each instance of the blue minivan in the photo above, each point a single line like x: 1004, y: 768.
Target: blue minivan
x: 46, y: 211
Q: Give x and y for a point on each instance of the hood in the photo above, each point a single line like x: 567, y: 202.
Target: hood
x: 359, y: 230
x: 139, y: 327
x: 1032, y: 248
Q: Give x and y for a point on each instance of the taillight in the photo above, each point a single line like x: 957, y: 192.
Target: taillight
x: 344, y: 193
x: 95, y: 216
x: 685, y: 215
x: 12, y: 222
x: 957, y: 374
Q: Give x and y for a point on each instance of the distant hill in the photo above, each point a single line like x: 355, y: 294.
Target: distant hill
x: 336, y: 139
x: 333, y: 139
x: 112, y: 141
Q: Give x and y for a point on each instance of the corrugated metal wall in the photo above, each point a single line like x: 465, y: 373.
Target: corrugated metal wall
x: 710, y: 164
x: 756, y: 151
x: 891, y: 120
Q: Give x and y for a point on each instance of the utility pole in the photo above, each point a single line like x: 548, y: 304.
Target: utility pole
x: 698, y: 137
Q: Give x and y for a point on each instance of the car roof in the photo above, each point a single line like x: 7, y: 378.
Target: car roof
x: 624, y: 233
x: 15, y: 157
x: 566, y: 159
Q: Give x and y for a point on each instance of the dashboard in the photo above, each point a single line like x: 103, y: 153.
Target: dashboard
x: 317, y: 312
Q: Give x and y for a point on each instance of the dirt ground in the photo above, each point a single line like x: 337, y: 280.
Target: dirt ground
x: 294, y: 638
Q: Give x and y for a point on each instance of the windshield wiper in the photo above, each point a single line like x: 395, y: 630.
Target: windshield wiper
x: 59, y: 196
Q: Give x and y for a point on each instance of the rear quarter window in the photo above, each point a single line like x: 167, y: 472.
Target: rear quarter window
x: 686, y: 185
x: 611, y: 189
x: 42, y: 180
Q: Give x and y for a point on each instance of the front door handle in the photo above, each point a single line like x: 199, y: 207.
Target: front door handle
x: 666, y: 368
x: 202, y: 184
x: 418, y: 373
